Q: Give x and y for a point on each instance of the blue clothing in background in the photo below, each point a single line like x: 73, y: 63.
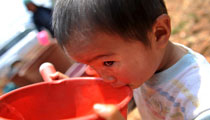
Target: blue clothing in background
x: 43, y: 19
x: 9, y: 87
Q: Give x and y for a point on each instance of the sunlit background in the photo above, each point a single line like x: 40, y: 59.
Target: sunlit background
x: 15, y: 18
x: 18, y: 37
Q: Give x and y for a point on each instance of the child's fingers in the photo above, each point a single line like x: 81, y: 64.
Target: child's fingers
x: 58, y: 76
x: 108, y: 112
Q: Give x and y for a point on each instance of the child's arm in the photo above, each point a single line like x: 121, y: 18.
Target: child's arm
x: 108, y: 112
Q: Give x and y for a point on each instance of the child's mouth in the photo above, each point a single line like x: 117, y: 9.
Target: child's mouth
x: 117, y: 84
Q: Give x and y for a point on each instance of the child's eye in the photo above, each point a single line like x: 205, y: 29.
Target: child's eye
x: 108, y: 63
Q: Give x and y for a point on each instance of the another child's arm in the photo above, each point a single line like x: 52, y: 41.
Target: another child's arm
x: 58, y: 76
x: 89, y: 72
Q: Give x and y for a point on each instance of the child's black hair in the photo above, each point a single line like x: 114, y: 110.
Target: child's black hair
x: 130, y: 19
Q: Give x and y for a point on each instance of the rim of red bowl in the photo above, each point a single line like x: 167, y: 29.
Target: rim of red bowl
x: 120, y: 105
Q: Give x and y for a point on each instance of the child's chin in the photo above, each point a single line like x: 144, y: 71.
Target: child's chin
x: 118, y: 85
x: 133, y: 87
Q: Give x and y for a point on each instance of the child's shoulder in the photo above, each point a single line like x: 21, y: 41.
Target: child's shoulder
x: 193, y: 68
x: 194, y: 57
x: 182, y: 88
x: 193, y: 83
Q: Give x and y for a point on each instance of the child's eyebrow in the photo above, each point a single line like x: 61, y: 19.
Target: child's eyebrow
x: 99, y: 56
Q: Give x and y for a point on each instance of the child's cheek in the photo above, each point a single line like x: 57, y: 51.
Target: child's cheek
x: 123, y: 76
x: 128, y: 74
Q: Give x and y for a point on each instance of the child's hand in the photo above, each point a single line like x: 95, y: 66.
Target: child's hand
x: 108, y: 112
x: 58, y: 76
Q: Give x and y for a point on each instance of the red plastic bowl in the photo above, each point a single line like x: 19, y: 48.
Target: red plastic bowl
x: 71, y: 99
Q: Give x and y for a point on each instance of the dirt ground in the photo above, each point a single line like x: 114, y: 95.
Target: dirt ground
x: 190, y: 20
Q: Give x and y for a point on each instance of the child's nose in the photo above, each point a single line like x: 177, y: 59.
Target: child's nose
x: 90, y: 71
x: 107, y: 76
x: 109, y: 79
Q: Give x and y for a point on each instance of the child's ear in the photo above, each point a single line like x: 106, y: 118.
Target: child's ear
x: 162, y: 30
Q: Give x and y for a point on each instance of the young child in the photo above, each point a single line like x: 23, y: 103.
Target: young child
x: 127, y: 43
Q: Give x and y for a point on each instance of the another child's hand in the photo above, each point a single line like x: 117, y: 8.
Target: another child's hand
x: 58, y: 76
x: 108, y: 112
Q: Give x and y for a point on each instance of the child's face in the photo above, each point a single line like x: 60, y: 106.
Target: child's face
x: 118, y: 61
